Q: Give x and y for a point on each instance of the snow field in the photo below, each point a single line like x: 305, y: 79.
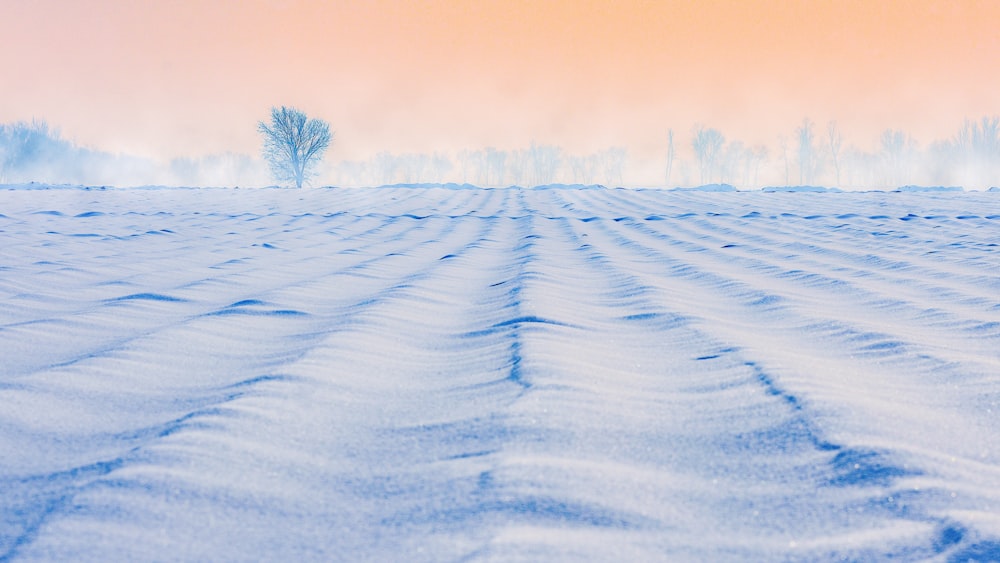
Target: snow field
x: 512, y: 374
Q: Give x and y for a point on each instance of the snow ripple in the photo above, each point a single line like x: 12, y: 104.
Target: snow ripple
x: 452, y: 373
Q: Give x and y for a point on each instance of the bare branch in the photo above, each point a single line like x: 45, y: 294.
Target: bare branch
x: 294, y: 144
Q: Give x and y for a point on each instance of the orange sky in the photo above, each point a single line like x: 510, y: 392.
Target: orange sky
x: 186, y: 78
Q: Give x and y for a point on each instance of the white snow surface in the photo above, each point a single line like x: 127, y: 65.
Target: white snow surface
x: 548, y: 374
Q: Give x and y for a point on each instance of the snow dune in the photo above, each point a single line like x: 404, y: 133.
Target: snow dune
x: 432, y: 374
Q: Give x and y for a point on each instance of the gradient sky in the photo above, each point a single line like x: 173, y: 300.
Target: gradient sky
x: 188, y: 78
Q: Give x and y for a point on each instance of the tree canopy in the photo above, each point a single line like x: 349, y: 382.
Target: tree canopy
x: 294, y: 144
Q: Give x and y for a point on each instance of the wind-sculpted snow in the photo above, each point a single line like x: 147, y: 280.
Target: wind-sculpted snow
x: 461, y: 374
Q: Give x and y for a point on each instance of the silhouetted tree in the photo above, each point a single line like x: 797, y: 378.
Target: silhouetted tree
x: 545, y: 161
x: 518, y: 166
x: 896, y: 147
x: 670, y: 154
x: 807, y: 154
x: 496, y: 166
x: 783, y: 145
x: 480, y: 167
x: 835, y: 141
x: 441, y: 165
x: 386, y: 166
x: 707, y: 144
x: 756, y: 157
x: 578, y: 169
x: 294, y: 144
x: 414, y: 167
x: 976, y: 147
x: 613, y: 165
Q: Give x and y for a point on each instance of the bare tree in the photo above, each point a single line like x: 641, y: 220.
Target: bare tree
x: 783, y: 145
x: 707, y: 144
x: 581, y: 168
x: 294, y: 144
x: 386, y: 165
x: 976, y: 146
x: 475, y: 166
x: 545, y: 161
x: 756, y: 156
x: 670, y: 154
x: 441, y: 166
x: 496, y: 166
x: 577, y: 168
x: 413, y: 167
x: 613, y: 164
x: 480, y: 167
x: 518, y: 166
x: 465, y: 164
x: 835, y: 141
x: 896, y: 146
x: 807, y: 154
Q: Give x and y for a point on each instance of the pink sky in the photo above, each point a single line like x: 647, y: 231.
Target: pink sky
x: 187, y: 78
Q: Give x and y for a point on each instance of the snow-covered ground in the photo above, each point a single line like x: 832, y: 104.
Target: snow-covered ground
x: 432, y: 374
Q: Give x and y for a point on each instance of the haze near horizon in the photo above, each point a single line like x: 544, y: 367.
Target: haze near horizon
x: 188, y: 79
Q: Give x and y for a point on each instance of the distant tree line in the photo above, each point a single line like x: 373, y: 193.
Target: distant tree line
x: 34, y: 152
x: 808, y: 155
x: 970, y: 158
x: 536, y: 165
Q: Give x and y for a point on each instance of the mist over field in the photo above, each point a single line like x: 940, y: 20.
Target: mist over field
x: 812, y: 156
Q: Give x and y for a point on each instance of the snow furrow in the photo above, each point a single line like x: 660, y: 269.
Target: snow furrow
x: 453, y: 373
x: 869, y: 400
